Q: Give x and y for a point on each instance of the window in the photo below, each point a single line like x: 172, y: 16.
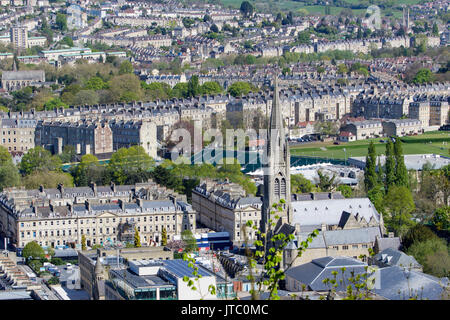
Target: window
x: 355, y: 246
x: 344, y: 247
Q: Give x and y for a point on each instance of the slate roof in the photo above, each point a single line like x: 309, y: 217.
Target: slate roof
x: 393, y: 257
x: 397, y: 283
x: 313, y: 273
x: 330, y: 211
x: 385, y: 243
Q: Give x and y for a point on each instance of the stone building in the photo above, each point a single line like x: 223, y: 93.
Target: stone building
x: 134, y: 132
x: 88, y: 137
x: 15, y: 80
x: 402, y: 127
x: 53, y: 217
x: 364, y: 129
x: 17, y: 134
x: 223, y: 206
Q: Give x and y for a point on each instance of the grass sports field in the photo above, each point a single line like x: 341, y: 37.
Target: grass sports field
x: 289, y: 5
x: 431, y: 142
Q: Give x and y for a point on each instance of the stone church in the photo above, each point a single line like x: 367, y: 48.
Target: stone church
x: 276, y: 167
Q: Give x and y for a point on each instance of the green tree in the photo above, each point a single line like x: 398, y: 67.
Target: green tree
x: 83, y: 242
x: 400, y: 205
x: 39, y: 159
x: 125, y: 88
x: 299, y: 184
x: 304, y: 37
x: 401, y: 174
x: 88, y: 170
x: 130, y: 165
x: 346, y: 190
x: 417, y: 233
x: 342, y: 69
x: 61, y: 21
x: 95, y: 83
x: 240, y: 88
x: 188, y: 238
x: 137, y: 238
x: 423, y: 76
x: 48, y: 179
x: 433, y: 255
x: 126, y: 67
x: 441, y: 218
x: 211, y: 87
x: 164, y: 237
x: 85, y: 97
x: 194, y: 88
x: 370, y: 175
x: 390, y: 165
x: 33, y: 250
x: 435, y: 31
x: 246, y: 9
x: 9, y: 175
x: 326, y: 183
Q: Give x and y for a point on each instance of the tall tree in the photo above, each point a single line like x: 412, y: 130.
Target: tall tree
x: 370, y: 175
x: 390, y: 165
x: 9, y: 175
x: 137, y: 238
x: 401, y: 174
x: 164, y: 237
x: 246, y: 9
x: 194, y: 88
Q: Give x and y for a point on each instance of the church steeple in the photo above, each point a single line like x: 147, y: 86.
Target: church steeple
x: 277, y: 180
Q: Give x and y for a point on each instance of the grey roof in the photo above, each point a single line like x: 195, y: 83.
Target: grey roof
x: 64, y: 253
x: 15, y: 295
x: 397, y: 283
x: 385, y: 243
x: 393, y: 257
x: 180, y: 268
x: 23, y: 75
x: 330, y: 211
x: 139, y: 281
x: 313, y: 273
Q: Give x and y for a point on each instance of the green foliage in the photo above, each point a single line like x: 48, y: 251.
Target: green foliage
x: 55, y: 103
x: 346, y: 190
x: 433, y: 255
x: 423, y: 76
x: 39, y: 159
x: 240, y: 88
x: 89, y: 170
x: 61, y: 21
x: 211, y: 87
x: 246, y: 9
x: 370, y: 175
x: 53, y: 280
x: 137, y: 238
x: 400, y: 205
x: 130, y: 165
x: 191, y: 243
x: 48, y: 179
x: 390, y: 165
x: 441, y: 218
x: 33, y: 250
x: 126, y: 67
x: 95, y: 83
x: 299, y: 184
x: 164, y: 237
x: 401, y: 174
x: 418, y: 233
x: 193, y: 88
x: 57, y: 261
x: 9, y: 175
x: 83, y: 242
x: 326, y: 183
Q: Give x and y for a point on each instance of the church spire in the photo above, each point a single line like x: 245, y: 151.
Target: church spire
x: 276, y: 116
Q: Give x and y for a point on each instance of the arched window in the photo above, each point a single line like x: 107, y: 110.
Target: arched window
x: 277, y: 187
x: 283, y: 188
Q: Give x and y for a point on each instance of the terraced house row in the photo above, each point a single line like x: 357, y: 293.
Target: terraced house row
x: 103, y: 214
